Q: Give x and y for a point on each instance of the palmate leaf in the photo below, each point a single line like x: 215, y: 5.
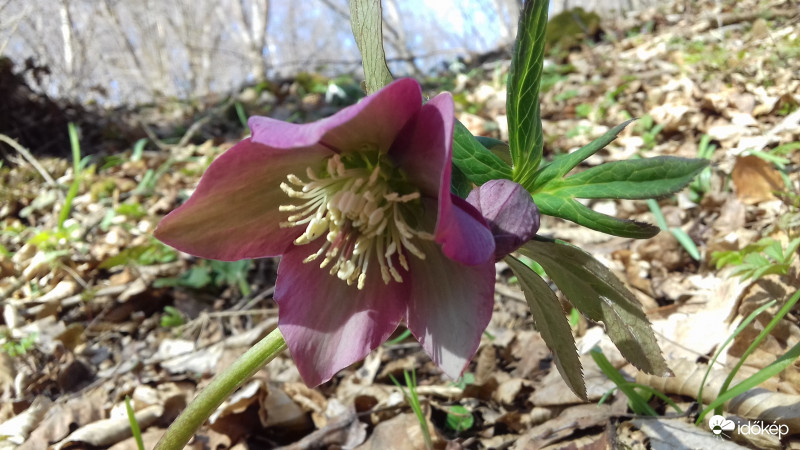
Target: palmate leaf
x: 524, y: 121
x: 598, y: 294
x: 551, y: 323
x: 474, y: 160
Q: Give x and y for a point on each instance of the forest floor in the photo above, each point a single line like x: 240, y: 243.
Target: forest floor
x: 95, y: 309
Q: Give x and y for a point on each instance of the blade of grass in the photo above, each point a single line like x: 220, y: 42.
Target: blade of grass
x: 241, y: 114
x: 760, y: 338
x: 403, y: 336
x: 76, y: 176
x: 413, y: 401
x: 778, y: 366
x: 138, y: 149
x: 725, y: 344
x: 638, y: 404
x: 686, y: 242
x: 643, y: 387
x: 137, y: 433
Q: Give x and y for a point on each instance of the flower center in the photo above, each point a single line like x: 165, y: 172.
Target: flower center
x: 362, y: 205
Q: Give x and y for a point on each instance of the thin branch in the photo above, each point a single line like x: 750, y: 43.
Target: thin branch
x: 30, y: 158
x: 341, y: 11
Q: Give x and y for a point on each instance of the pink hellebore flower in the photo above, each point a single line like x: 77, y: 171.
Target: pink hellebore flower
x: 359, y: 207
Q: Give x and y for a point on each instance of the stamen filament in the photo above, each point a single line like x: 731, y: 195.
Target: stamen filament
x: 358, y: 209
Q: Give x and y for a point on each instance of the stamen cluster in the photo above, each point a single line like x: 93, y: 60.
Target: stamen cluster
x: 357, y: 206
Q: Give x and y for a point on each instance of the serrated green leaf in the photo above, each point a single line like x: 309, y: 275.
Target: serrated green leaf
x: 631, y: 179
x: 477, y: 163
x: 524, y: 79
x: 366, y: 22
x: 496, y: 146
x: 756, y: 259
x: 596, y: 292
x: 459, y: 183
x: 561, y: 166
x: 549, y: 319
x: 572, y: 210
x: 791, y: 249
x: 774, y: 251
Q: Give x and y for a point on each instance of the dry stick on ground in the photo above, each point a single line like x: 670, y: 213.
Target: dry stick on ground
x: 193, y: 129
x: 30, y: 158
x: 707, y: 23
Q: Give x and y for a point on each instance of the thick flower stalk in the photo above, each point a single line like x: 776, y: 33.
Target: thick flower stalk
x: 359, y: 207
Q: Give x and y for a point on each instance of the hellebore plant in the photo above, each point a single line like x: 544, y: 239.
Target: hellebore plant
x: 359, y: 207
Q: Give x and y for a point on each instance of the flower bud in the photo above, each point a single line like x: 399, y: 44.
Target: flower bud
x: 510, y: 211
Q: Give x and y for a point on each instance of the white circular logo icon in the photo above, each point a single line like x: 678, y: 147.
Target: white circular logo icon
x: 718, y: 424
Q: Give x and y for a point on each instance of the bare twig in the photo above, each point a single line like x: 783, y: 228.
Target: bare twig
x: 30, y: 158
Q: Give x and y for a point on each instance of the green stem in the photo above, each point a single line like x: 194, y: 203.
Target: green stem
x: 220, y: 388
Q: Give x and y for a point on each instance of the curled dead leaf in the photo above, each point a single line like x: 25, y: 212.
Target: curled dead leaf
x: 755, y: 180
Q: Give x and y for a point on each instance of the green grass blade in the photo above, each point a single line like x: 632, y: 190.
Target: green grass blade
x: 137, y: 433
x: 76, y: 181
x: 754, y: 380
x: 686, y: 242
x: 638, y: 404
x: 760, y: 338
x: 750, y: 318
x: 413, y: 401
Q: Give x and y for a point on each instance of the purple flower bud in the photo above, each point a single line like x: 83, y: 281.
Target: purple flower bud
x: 509, y: 209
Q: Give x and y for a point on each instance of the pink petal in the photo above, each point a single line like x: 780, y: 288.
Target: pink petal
x: 424, y: 153
x: 327, y: 324
x: 425, y: 147
x: 376, y: 121
x: 233, y: 214
x: 450, y: 307
x: 462, y: 232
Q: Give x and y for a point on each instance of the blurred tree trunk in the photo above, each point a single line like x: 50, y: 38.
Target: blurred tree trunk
x: 508, y: 12
x: 153, y: 86
x: 68, y: 41
x: 253, y: 34
x: 395, y: 36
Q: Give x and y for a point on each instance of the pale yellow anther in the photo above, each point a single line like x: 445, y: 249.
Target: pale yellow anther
x: 391, y: 249
x: 361, y: 280
x: 360, y: 214
x: 403, y: 262
x: 316, y: 227
x: 408, y: 197
x: 346, y: 270
x: 375, y: 217
x: 373, y: 177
